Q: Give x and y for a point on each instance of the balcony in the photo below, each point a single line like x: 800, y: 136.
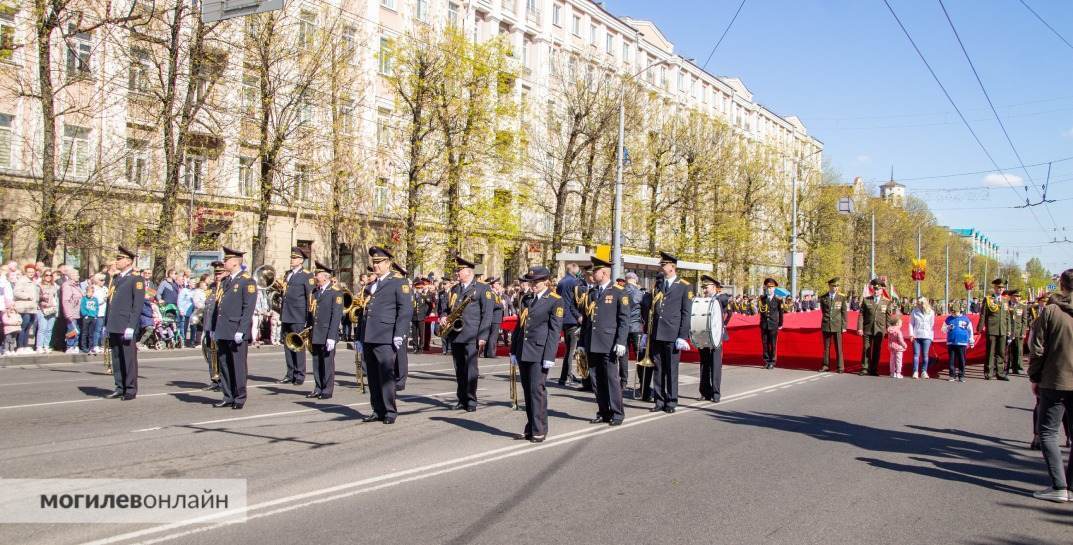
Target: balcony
x: 533, y: 16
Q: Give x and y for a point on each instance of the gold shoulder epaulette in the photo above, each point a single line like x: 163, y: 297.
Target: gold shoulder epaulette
x: 555, y: 295
x: 245, y: 275
x: 682, y: 281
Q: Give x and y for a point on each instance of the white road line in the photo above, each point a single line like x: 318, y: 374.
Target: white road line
x: 6, y: 384
x: 346, y: 490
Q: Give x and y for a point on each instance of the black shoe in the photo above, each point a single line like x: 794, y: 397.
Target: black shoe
x: 987, y: 377
x: 862, y: 373
x: 128, y: 398
x: 298, y: 382
x: 840, y: 371
x: 537, y: 439
x: 714, y: 400
x: 585, y: 388
x: 371, y: 418
x: 388, y: 420
x: 114, y: 395
x: 522, y: 436
x: 325, y: 396
x: 313, y: 394
x: 1003, y: 378
x: 220, y: 404
x: 237, y: 406
x: 458, y: 406
x: 656, y: 409
x: 562, y: 382
x: 598, y: 420
x: 285, y: 381
x: 471, y: 409
x: 615, y: 422
x: 668, y: 410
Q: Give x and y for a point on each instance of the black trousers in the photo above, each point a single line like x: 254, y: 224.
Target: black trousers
x: 571, y: 333
x: 828, y: 340
x: 465, y: 359
x: 533, y: 377
x: 417, y: 337
x: 402, y: 367
x: 996, y: 355
x: 711, y: 373
x: 232, y: 360
x: 603, y: 368
x: 624, y: 360
x: 872, y: 348
x: 665, y: 378
x: 296, y: 361
x: 323, y: 370
x: 492, y: 341
x: 380, y: 371
x: 769, y: 339
x: 124, y: 364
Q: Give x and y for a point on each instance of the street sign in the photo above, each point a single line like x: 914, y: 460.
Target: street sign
x: 845, y: 205
x: 796, y: 259
x: 218, y: 10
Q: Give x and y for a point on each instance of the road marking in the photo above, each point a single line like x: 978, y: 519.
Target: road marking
x: 148, y: 429
x: 372, y: 484
x: 6, y: 384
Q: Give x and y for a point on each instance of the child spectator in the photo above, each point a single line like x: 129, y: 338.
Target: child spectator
x: 896, y: 345
x: 958, y: 329
x: 88, y: 308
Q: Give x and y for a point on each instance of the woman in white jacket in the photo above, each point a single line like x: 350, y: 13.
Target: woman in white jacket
x: 921, y: 334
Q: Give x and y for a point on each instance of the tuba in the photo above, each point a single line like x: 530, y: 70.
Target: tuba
x: 581, y: 358
x: 265, y: 277
x: 300, y: 341
x: 353, y: 305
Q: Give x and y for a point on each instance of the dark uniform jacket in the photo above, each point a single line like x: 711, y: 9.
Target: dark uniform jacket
x: 995, y: 316
x: 673, y: 310
x: 234, y: 310
x: 834, y: 311
x: 208, y: 314
x: 297, y: 293
x: 536, y: 339
x: 874, y: 316
x: 424, y: 304
x: 566, y: 290
x: 770, y: 311
x: 388, y: 311
x: 125, y: 300
x: 477, y: 318
x: 1019, y: 320
x: 725, y: 306
x: 610, y: 321
x: 329, y: 313
x: 497, y: 308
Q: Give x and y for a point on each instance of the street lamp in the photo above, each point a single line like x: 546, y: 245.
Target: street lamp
x: 616, y: 235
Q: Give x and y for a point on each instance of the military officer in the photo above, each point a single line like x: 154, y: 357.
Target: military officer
x: 605, y: 331
x: 232, y: 325
x: 1019, y: 321
x: 672, y: 311
x: 711, y: 359
x: 125, y: 299
x: 207, y: 312
x: 383, y: 330
x: 295, y: 312
x: 402, y: 358
x: 467, y: 343
x: 532, y: 348
x: 995, y: 325
x: 834, y: 310
x: 497, y: 317
x: 872, y: 326
x: 770, y: 322
x: 327, y: 314
x: 568, y: 288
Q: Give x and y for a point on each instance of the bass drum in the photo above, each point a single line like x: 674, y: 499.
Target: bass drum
x: 706, y: 324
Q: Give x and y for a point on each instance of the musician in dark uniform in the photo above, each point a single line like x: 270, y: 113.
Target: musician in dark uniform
x: 995, y: 327
x: 834, y: 309
x: 644, y: 374
x: 218, y: 273
x: 604, y: 334
x: 383, y: 329
x: 418, y: 338
x: 1018, y: 328
x: 402, y: 358
x: 532, y: 348
x: 497, y: 317
x: 231, y: 328
x: 770, y: 322
x: 294, y: 313
x: 125, y: 299
x: 568, y: 289
x: 711, y: 359
x: 673, y: 309
x: 327, y: 314
x: 467, y: 343
x: 872, y: 326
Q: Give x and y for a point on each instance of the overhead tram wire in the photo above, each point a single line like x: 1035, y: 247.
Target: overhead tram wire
x: 954, y: 104
x: 725, y: 31
x: 1046, y: 24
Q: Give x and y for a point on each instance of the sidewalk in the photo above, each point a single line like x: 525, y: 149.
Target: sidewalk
x: 59, y: 358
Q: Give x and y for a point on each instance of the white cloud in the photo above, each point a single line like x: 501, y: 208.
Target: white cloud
x: 1003, y: 180
x: 863, y: 158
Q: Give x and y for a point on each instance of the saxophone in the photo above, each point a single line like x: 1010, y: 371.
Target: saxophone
x: 453, y: 322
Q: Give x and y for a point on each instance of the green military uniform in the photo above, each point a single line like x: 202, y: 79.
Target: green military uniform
x: 1019, y: 322
x: 995, y: 322
x: 872, y: 326
x: 834, y: 307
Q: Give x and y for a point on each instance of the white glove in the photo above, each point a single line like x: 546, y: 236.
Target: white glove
x: 681, y: 344
x: 329, y: 345
x: 128, y: 334
x: 238, y: 337
x: 514, y: 360
x: 397, y: 341
x: 620, y: 350
x: 548, y: 364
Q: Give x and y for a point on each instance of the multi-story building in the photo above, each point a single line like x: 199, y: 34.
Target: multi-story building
x: 108, y: 138
x: 981, y: 244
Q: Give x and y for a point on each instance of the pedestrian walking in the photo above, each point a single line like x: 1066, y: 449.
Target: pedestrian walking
x: 1050, y: 370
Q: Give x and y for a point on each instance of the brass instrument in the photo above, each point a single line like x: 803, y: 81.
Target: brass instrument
x: 359, y: 373
x: 265, y: 278
x: 107, y: 356
x: 581, y: 364
x: 214, y: 361
x: 581, y: 358
x: 453, y: 321
x: 514, y: 387
x: 298, y: 342
x: 647, y: 360
x: 353, y: 306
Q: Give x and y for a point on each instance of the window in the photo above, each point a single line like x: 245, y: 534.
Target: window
x: 625, y: 52
x: 194, y: 172
x: 577, y: 25
x: 251, y: 92
x: 305, y: 110
x: 421, y: 10
x: 557, y: 15
x: 350, y: 42
x: 380, y: 195
x: 301, y: 183
x: 6, y: 122
x: 246, y: 178
x: 453, y: 15
x: 346, y: 116
x: 137, y: 161
x: 383, y: 128
x: 74, y: 151
x: 609, y: 44
x: 307, y: 28
x: 592, y: 34
x: 7, y: 32
x: 78, y: 53
x: 385, y: 55
x: 389, y: 4
x: 139, y: 71
x: 525, y: 52
x: 681, y: 81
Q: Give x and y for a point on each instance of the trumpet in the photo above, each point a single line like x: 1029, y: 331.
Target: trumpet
x: 107, y: 356
x: 298, y: 342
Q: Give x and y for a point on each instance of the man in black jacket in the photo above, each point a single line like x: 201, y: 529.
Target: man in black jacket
x: 384, y: 323
x: 125, y: 299
x: 673, y: 309
x: 711, y: 359
x: 770, y: 322
x: 470, y: 340
x: 327, y: 314
x: 605, y: 328
x: 295, y: 313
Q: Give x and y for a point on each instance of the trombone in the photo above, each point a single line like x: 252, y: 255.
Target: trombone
x: 647, y: 360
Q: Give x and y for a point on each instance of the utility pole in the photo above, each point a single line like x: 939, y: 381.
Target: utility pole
x: 946, y: 290
x: 918, y: 257
x: 872, y: 266
x: 793, y: 237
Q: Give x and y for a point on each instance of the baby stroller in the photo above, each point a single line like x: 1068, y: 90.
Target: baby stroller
x: 166, y: 331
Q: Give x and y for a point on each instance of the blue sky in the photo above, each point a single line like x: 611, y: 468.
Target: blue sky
x: 847, y: 70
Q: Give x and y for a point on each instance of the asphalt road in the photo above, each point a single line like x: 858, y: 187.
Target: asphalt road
x: 787, y: 457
